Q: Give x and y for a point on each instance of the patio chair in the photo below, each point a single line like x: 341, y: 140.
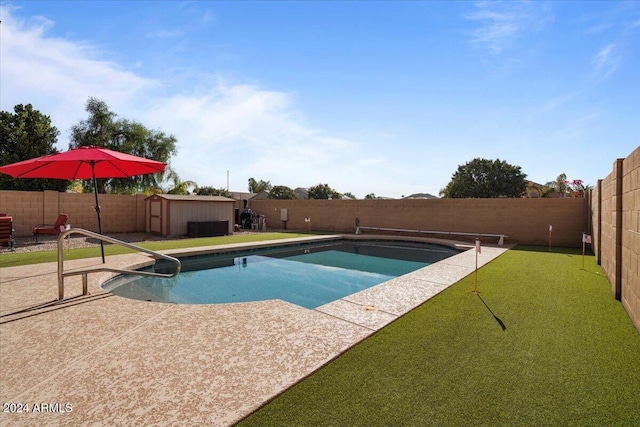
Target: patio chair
x: 6, y: 231
x: 52, y: 230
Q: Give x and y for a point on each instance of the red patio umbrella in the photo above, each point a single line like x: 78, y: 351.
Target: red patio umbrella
x: 84, y: 163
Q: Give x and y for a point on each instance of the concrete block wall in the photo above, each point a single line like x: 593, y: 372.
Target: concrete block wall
x: 26, y: 208
x: 607, y: 234
x: 81, y: 211
x: 630, y: 275
x: 523, y: 220
x: 615, y: 211
x: 120, y: 213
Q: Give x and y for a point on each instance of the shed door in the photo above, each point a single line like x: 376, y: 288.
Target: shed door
x: 155, y: 216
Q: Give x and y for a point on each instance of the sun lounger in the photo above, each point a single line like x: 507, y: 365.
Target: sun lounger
x: 6, y: 231
x: 53, y: 230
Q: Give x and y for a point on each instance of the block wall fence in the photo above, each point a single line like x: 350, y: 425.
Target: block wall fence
x: 119, y: 213
x: 610, y: 213
x: 522, y: 220
x: 615, y: 209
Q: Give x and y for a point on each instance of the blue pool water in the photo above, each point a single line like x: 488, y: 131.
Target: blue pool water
x: 309, y: 275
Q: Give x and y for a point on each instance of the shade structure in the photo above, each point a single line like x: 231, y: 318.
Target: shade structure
x: 84, y: 163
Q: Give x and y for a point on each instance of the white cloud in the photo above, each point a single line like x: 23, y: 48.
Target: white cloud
x: 220, y: 126
x: 371, y: 161
x: 606, y: 62
x: 502, y: 22
x: 165, y: 34
x: 255, y: 132
x: 55, y: 75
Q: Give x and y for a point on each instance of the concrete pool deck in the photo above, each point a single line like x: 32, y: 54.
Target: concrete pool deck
x: 105, y: 360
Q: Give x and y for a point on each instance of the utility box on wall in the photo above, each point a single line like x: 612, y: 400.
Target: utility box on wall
x: 174, y: 215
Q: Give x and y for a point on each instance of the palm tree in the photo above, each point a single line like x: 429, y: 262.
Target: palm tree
x: 258, y: 186
x: 181, y: 187
x: 559, y: 186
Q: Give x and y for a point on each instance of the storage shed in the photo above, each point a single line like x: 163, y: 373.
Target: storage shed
x: 196, y: 216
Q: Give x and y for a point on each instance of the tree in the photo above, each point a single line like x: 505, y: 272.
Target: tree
x: 181, y: 187
x: 559, y: 186
x: 25, y: 134
x: 370, y: 196
x: 323, y: 191
x: 103, y: 129
x: 562, y: 187
x: 486, y: 179
x: 210, y: 191
x: 578, y: 188
x: 258, y: 186
x: 282, y: 192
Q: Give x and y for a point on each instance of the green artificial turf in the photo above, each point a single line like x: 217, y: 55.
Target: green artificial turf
x: 9, y: 259
x: 543, y: 344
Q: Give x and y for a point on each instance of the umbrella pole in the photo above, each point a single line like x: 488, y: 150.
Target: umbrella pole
x: 95, y: 192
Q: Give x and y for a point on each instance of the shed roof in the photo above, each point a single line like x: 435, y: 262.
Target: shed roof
x: 192, y: 198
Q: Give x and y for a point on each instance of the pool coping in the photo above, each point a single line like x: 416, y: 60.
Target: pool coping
x: 112, y: 360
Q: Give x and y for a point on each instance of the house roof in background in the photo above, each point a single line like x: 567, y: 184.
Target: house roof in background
x: 421, y: 196
x: 193, y: 198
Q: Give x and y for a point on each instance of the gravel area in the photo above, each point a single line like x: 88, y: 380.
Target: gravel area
x: 50, y: 243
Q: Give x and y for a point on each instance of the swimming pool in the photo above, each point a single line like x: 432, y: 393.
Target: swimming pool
x: 309, y: 275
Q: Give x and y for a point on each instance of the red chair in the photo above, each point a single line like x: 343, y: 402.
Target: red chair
x: 52, y: 230
x: 6, y: 231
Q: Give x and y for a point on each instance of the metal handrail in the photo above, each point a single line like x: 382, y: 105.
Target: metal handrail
x: 62, y: 274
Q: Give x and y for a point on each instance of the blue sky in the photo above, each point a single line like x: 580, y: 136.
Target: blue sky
x: 366, y: 96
